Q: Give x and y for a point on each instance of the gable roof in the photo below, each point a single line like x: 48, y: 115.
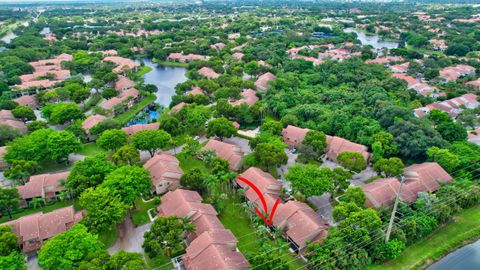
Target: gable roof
x: 294, y: 136
x: 130, y: 130
x: 208, y: 72
x: 231, y: 153
x: 383, y: 191
x: 92, y: 121
x: 337, y: 145
x: 248, y: 96
x: 163, y: 167
x: 262, y: 81
x: 42, y: 185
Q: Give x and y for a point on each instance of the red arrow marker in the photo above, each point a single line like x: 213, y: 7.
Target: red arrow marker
x: 264, y: 203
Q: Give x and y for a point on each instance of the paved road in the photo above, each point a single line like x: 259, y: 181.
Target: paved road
x: 324, y: 207
x: 130, y: 238
x: 32, y: 263
x: 241, y: 143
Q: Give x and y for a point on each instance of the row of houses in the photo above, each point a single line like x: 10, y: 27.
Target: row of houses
x: 180, y: 57
x: 452, y: 106
x: 127, y: 96
x: 46, y: 73
x: 420, y: 87
x: 424, y: 177
x: 122, y: 64
x: 210, y: 246
x: 297, y: 220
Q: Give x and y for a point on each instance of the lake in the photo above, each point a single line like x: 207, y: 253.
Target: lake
x: 165, y: 78
x: 465, y: 258
x: 373, y: 40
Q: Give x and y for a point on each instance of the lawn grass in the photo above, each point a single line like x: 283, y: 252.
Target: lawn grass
x: 108, y: 237
x: 90, y: 149
x: 464, y: 229
x: 143, y: 70
x: 159, y: 263
x: 135, y: 109
x: 171, y: 64
x: 140, y: 214
x: 52, y: 166
x: 188, y: 163
x: 45, y: 209
x: 238, y: 221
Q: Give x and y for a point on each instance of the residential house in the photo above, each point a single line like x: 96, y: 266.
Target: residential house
x: 34, y: 229
x: 438, y: 44
x: 127, y: 98
x: 195, y: 91
x: 229, y: 152
x: 179, y: 57
x: 90, y: 122
x: 218, y: 46
x: 7, y: 119
x: 238, y: 55
x: 208, y: 73
x: 3, y: 163
x: 301, y: 224
x: 165, y: 172
x: 44, y: 186
x: 249, y: 97
x: 122, y: 64
x: 473, y: 136
x: 455, y: 72
x: 384, y: 60
x: 451, y: 106
x: 262, y: 83
x: 337, y: 145
x: 178, y: 107
x: 123, y: 84
x: 130, y: 130
x: 29, y: 101
x: 400, y: 68
x: 475, y: 84
x: 293, y: 136
x: 424, y: 177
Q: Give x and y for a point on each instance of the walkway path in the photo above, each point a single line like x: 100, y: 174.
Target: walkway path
x: 130, y: 238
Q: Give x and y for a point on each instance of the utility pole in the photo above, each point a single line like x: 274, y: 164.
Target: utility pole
x: 394, y: 211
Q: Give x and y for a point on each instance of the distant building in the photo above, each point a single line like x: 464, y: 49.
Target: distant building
x: 208, y: 73
x: 262, y: 82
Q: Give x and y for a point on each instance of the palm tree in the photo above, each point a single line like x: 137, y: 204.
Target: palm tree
x: 37, y: 202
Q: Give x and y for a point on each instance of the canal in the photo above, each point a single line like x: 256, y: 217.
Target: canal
x: 465, y: 258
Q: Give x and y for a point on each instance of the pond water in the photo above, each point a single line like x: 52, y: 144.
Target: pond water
x: 165, y: 78
x: 373, y: 40
x: 465, y: 258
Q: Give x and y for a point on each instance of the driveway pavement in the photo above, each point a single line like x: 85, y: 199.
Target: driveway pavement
x: 241, y: 143
x: 32, y: 263
x: 130, y: 238
x: 324, y: 207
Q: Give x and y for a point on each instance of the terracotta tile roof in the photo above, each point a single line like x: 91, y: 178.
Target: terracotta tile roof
x: 293, y: 136
x: 42, y: 185
x: 124, y: 95
x: 27, y: 100
x: 337, y: 145
x: 248, y: 96
x: 262, y: 81
x: 474, y: 136
x: 185, y: 58
x: 178, y: 107
x: 130, y: 130
x: 92, y: 121
x: 122, y: 63
x: 6, y: 115
x: 164, y: 167
x: 215, y: 250
x: 208, y: 72
x: 6, y: 118
x: 455, y: 72
x: 451, y: 106
x: 265, y: 182
x: 38, y: 227
x: 238, y: 55
x: 123, y: 83
x: 425, y: 177
x: 231, y: 153
x: 475, y: 83
x: 383, y: 191
x: 196, y: 91
x: 384, y: 60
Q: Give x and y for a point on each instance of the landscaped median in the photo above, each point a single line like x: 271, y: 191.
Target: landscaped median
x: 464, y: 229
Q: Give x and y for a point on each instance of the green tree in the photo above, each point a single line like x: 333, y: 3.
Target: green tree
x: 61, y: 113
x: 127, y: 261
x: 444, y: 157
x: 68, y: 249
x: 438, y: 117
x: 344, y: 209
x: 193, y: 180
x: 13, y: 261
x: 221, y: 128
x: 315, y: 142
x: 103, y: 209
x: 452, y: 132
x: 60, y: 144
x: 267, y: 261
x: 7, y: 134
x: 8, y: 241
x: 353, y: 161
x: 36, y: 125
x: 128, y: 183
x: 171, y: 125
x: 166, y: 236
x: 272, y: 126
x: 151, y: 140
x: 355, y: 195
x: 268, y: 155
x: 112, y: 139
x: 9, y: 201
x: 29, y: 147
x: 20, y: 170
x: 89, y: 172
x: 109, y: 93
x: 310, y: 180
x: 389, y: 167
x: 126, y: 155
x: 387, y: 251
x: 24, y: 112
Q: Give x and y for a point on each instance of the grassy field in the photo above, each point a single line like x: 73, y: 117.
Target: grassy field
x: 90, y: 149
x: 464, y: 229
x: 171, y: 64
x: 238, y: 221
x: 140, y: 214
x: 49, y: 208
x: 143, y: 70
x: 126, y: 116
x: 108, y: 237
x: 187, y: 163
x: 159, y: 262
